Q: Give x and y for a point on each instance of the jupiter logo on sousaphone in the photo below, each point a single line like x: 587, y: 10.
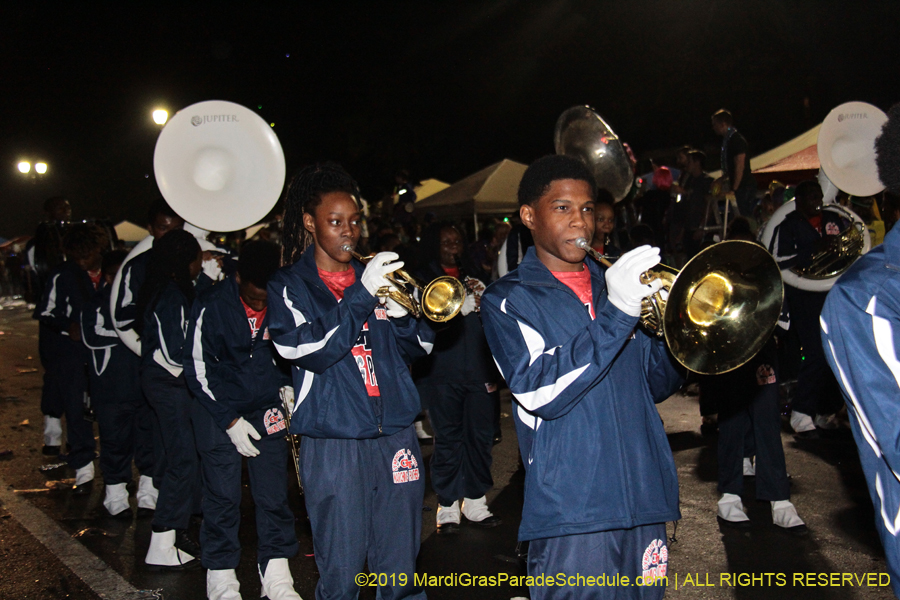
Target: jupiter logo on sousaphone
x: 198, y: 120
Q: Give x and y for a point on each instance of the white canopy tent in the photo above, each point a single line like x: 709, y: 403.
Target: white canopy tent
x: 795, y: 155
x: 490, y: 191
x: 429, y: 187
x: 130, y: 233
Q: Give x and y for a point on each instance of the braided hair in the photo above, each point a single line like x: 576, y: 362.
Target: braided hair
x: 304, y: 193
x: 172, y: 255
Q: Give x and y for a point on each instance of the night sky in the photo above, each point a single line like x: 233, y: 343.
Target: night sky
x: 440, y: 89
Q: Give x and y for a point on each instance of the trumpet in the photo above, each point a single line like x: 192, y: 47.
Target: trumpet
x: 287, y: 401
x: 719, y: 310
x: 439, y: 301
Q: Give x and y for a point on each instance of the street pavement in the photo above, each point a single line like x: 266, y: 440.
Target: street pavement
x: 54, y: 544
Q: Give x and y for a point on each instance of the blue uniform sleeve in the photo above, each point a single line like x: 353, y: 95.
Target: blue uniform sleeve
x: 201, y: 364
x: 664, y: 375
x: 415, y: 337
x: 97, y: 331
x: 315, y: 344
x: 129, y: 286
x: 860, y: 338
x: 54, y: 308
x: 785, y: 248
x: 549, y: 382
x: 170, y: 317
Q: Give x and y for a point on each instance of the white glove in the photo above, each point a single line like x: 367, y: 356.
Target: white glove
x: 240, y: 434
x: 468, y: 304
x: 623, y: 279
x: 212, y: 269
x: 395, y: 310
x: 380, y: 265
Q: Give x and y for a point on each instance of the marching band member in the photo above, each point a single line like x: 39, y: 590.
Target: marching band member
x: 600, y: 480
x: 164, y: 301
x: 355, y: 400
x: 460, y: 381
x: 63, y: 355
x: 235, y: 373
x: 124, y: 418
x: 860, y: 328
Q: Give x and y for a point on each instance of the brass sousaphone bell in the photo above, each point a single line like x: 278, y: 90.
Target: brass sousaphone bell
x: 719, y: 310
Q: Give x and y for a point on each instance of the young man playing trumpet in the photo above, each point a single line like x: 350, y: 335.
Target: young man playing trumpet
x: 600, y: 479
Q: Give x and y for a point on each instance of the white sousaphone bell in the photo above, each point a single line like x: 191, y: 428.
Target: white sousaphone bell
x: 220, y: 166
x: 846, y: 149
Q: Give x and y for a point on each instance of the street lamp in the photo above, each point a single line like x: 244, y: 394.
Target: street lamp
x: 24, y: 166
x: 160, y: 116
x: 40, y: 167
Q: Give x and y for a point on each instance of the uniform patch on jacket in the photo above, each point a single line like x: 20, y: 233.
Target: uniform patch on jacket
x: 381, y: 314
x: 274, y: 421
x: 832, y: 229
x: 266, y: 333
x: 405, y: 466
x: 655, y: 561
x: 765, y: 374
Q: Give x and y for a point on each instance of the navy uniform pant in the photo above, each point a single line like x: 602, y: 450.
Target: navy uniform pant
x: 462, y: 416
x: 124, y: 418
x: 817, y: 389
x: 65, y: 382
x: 177, y: 475
x: 220, y: 464
x: 364, y: 500
x: 640, y: 554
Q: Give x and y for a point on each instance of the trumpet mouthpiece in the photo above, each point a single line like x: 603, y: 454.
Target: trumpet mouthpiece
x: 347, y: 248
x: 581, y: 243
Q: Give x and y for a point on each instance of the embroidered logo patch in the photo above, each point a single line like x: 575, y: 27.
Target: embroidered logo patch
x: 832, y: 229
x: 274, y: 421
x: 655, y: 561
x: 765, y: 374
x: 381, y: 314
x: 405, y: 466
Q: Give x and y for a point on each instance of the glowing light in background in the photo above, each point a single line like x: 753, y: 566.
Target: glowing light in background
x: 160, y: 116
x: 40, y: 167
x: 24, y: 166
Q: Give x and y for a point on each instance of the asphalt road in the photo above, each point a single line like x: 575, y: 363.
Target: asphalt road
x: 44, y: 534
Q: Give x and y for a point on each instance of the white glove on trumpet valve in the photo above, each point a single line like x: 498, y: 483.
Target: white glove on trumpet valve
x: 623, y: 279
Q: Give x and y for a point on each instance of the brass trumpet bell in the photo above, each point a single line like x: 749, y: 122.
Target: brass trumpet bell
x: 722, y: 307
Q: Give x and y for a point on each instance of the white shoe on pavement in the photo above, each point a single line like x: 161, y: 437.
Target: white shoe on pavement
x: 749, y: 467
x: 222, y: 584
x: 277, y: 583
x: 420, y: 431
x: 116, y: 499
x: 476, y: 511
x: 785, y: 515
x: 163, y: 555
x: 801, y: 422
x: 448, y: 518
x: 146, y: 493
x: 84, y: 474
x: 52, y: 431
x: 829, y: 422
x: 731, y: 509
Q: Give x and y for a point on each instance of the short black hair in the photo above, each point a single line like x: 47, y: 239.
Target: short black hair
x: 112, y: 260
x: 697, y: 156
x: 887, y: 151
x: 545, y: 170
x: 258, y: 262
x: 604, y: 196
x: 723, y: 116
x: 161, y: 207
x: 804, y: 188
x: 83, y: 238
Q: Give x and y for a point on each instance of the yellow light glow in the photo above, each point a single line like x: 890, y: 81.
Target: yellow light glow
x: 40, y: 167
x: 24, y: 166
x: 160, y: 116
x: 271, y: 124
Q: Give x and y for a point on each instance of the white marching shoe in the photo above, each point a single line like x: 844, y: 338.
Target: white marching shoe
x: 476, y: 511
x: 116, y: 499
x: 52, y: 431
x: 448, y: 518
x: 222, y: 585
x: 277, y: 582
x: 164, y: 556
x: 146, y: 493
x: 420, y: 431
x: 84, y: 474
x: 785, y: 515
x: 731, y: 510
x: 801, y: 422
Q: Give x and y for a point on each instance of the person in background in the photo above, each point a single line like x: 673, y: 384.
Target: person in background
x: 234, y: 372
x: 355, y: 401
x: 69, y: 286
x: 605, y: 223
x: 695, y: 195
x: 460, y: 382
x: 124, y: 418
x: 164, y: 303
x: 735, y: 159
